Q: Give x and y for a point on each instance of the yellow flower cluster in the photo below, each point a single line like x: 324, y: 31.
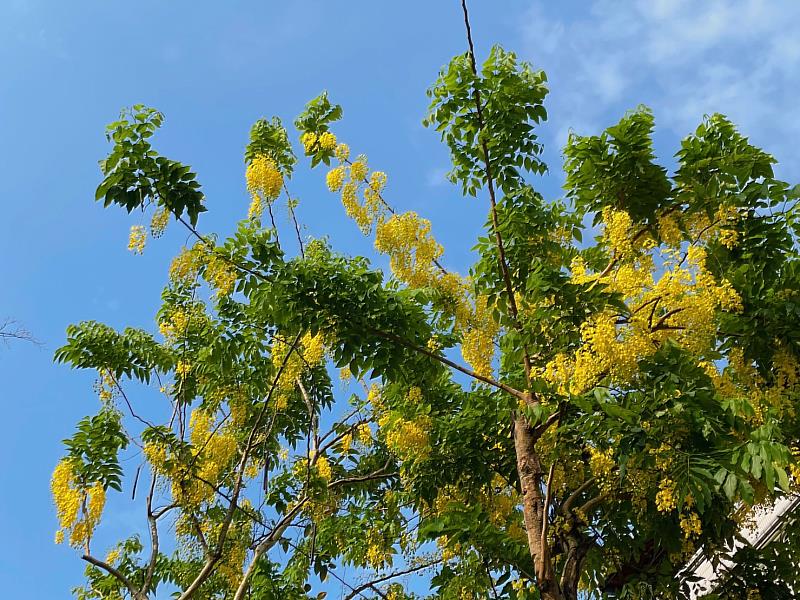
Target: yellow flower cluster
x: 156, y: 455
x: 364, y: 434
x: 327, y: 141
x: 335, y: 178
x: 176, y: 326
x: 213, y: 449
x: 264, y: 183
x: 669, y: 230
x: 159, y: 222
x: 220, y: 275
x: 617, y: 231
x: 66, y: 496
x: 414, y: 395
x: 311, y: 352
x: 374, y: 396
x: 359, y: 169
x: 185, y: 267
x: 691, y: 525
x: 728, y: 216
x: 407, y: 239
x: 501, y: 502
x: 346, y: 443
x: 137, y: 239
x: 665, y: 498
x: 477, y: 340
x: 78, y: 508
x: 395, y: 592
x: 353, y: 208
x: 342, y: 152
x: 377, y: 555
x: 408, y: 439
x: 601, y: 464
x: 218, y: 444
x: 324, y: 469
x: 313, y: 349
x: 372, y: 210
x: 183, y: 368
x: 309, y: 141
x: 678, y: 300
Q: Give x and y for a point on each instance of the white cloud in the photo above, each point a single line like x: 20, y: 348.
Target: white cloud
x: 683, y: 58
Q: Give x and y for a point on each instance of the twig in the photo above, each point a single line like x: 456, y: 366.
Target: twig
x: 116, y: 573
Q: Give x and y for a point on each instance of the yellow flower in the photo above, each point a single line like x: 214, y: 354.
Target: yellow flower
x: 408, y: 439
x: 66, y: 496
x: 414, y: 395
x: 264, y: 182
x: 309, y: 141
x: 669, y: 230
x: 359, y: 169
x: 477, y: 341
x: 327, y: 141
x: 183, y: 368
x: 406, y: 239
x: 186, y: 265
x: 691, y: 525
x: 78, y: 509
x: 665, y: 498
x: 324, y: 468
x: 137, y: 239
x: 374, y: 395
x: 220, y: 275
x: 353, y: 208
x: 363, y: 433
x: 159, y: 222
x: 377, y: 180
x: 335, y: 179
x: 342, y: 152
x: 313, y: 348
x: 617, y: 231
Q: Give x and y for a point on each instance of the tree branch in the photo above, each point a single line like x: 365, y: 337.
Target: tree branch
x: 501, y: 386
x: 501, y: 252
x: 567, y: 506
x: 357, y: 590
x: 117, y: 574
x: 272, y: 539
x: 214, y: 557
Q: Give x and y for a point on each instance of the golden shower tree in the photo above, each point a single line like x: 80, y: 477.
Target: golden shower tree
x: 604, y: 394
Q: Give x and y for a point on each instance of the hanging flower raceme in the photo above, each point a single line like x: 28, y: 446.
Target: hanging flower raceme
x: 137, y: 239
x: 159, y: 222
x: 220, y: 274
x: 292, y: 362
x: 79, y: 508
x: 264, y: 182
x: 406, y: 238
x: 477, y: 340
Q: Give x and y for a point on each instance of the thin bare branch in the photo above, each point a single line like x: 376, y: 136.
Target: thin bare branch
x: 370, y: 584
x: 117, y: 574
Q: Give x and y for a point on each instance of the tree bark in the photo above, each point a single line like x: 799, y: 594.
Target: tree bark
x: 529, y: 469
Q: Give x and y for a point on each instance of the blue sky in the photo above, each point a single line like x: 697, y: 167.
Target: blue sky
x: 66, y: 68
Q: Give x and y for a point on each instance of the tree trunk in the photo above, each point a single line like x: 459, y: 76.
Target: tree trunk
x: 529, y: 469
